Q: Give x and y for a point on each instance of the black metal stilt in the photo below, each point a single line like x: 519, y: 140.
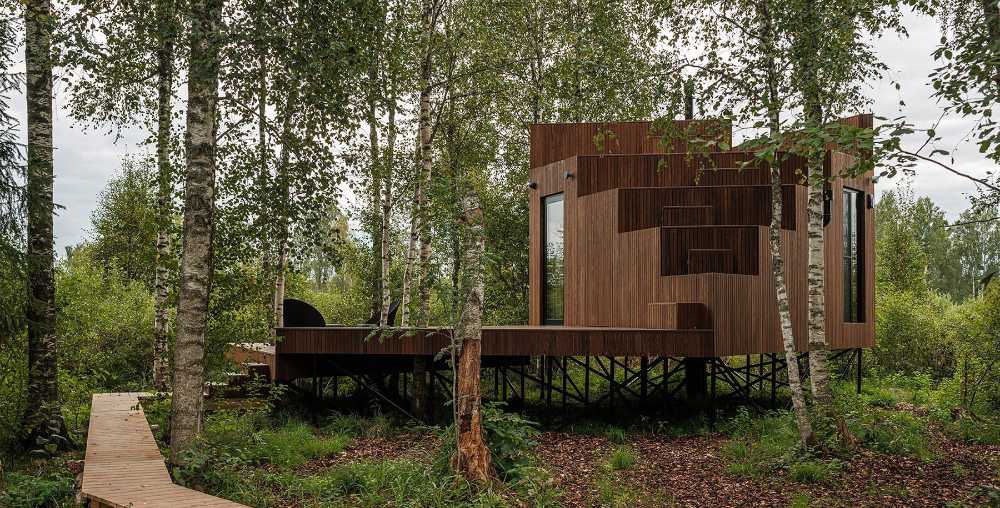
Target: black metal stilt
x: 612, y: 386
x: 711, y: 396
x: 586, y: 381
x: 564, y: 382
x: 860, y: 354
x: 644, y: 378
x: 774, y: 380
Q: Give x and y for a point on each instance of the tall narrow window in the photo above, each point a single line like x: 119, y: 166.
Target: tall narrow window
x: 553, y: 262
x: 853, y: 255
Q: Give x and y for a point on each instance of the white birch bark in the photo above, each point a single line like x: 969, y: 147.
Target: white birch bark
x: 773, y: 108
x: 199, y: 205
x: 165, y: 76
x: 42, y: 421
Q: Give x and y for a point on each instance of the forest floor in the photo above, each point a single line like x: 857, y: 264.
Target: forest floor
x: 695, y: 471
x: 907, y: 454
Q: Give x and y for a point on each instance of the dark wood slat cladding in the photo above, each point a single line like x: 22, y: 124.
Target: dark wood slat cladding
x: 557, y: 141
x: 711, y: 261
x: 614, y: 250
x: 690, y: 215
x: 600, y: 173
x: 680, y: 316
x: 682, y: 206
x: 499, y: 341
x: 712, y: 248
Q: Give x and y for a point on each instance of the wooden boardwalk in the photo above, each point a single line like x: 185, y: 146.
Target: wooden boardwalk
x: 123, y: 466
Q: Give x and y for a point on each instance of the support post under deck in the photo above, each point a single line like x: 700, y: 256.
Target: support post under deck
x: 695, y: 378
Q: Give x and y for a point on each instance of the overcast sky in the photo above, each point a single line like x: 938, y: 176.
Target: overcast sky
x: 85, y: 159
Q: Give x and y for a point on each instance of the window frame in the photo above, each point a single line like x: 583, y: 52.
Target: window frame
x: 544, y: 239
x: 853, y: 263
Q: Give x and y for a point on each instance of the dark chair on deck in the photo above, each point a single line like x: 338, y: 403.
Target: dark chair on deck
x: 391, y: 318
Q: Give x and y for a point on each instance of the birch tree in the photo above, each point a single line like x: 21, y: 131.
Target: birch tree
x: 472, y: 457
x: 414, y: 275
x: 124, y: 64
x: 42, y: 423
x: 743, y: 67
x: 199, y: 205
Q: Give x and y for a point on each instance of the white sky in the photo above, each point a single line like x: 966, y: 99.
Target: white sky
x: 85, y: 159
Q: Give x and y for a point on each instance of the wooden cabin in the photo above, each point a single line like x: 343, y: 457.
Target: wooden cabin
x: 627, y: 234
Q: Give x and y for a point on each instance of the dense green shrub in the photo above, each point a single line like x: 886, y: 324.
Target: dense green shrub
x: 912, y: 334
x: 509, y: 437
x: 52, y: 488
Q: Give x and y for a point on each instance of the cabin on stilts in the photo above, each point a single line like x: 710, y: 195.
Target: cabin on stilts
x: 649, y: 269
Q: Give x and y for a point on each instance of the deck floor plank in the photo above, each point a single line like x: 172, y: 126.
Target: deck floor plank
x: 123, y: 466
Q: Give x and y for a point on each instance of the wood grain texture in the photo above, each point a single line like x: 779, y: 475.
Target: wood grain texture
x: 553, y: 142
x: 636, y: 223
x: 123, y: 466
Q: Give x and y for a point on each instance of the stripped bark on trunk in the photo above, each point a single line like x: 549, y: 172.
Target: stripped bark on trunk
x: 199, y: 205
x: 165, y: 87
x: 42, y: 421
x: 472, y: 457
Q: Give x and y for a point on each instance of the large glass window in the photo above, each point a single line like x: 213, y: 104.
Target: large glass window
x: 853, y: 255
x: 553, y: 266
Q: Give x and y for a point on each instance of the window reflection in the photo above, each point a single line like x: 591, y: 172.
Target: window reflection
x: 853, y: 255
x: 553, y: 263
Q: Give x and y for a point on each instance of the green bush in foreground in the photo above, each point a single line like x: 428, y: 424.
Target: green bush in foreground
x: 53, y: 488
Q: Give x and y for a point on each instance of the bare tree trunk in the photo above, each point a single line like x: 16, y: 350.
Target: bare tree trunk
x: 279, y: 285
x: 199, y: 207
x: 387, y: 174
x: 291, y: 102
x: 813, y: 111
x: 411, y: 254
x: 818, y: 376
x: 472, y: 457
x: 421, y: 391
x: 165, y: 87
x: 376, y: 191
x: 773, y: 109
x: 42, y: 421
x: 418, y: 221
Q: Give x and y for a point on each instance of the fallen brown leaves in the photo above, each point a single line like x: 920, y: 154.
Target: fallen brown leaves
x: 691, y: 471
x: 418, y: 446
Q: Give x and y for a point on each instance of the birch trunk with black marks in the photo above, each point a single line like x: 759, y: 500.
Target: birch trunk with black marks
x: 291, y: 102
x: 164, y: 89
x: 42, y: 420
x: 386, y: 215
x: 199, y: 207
x: 472, y: 457
x: 412, y: 276
x: 773, y: 110
x: 418, y: 234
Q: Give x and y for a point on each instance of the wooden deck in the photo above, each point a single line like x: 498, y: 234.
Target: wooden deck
x: 303, y: 351
x: 123, y: 466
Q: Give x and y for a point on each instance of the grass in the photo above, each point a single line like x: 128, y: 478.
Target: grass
x: 622, y: 458
x: 800, y: 500
x: 812, y: 471
x: 616, y: 435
